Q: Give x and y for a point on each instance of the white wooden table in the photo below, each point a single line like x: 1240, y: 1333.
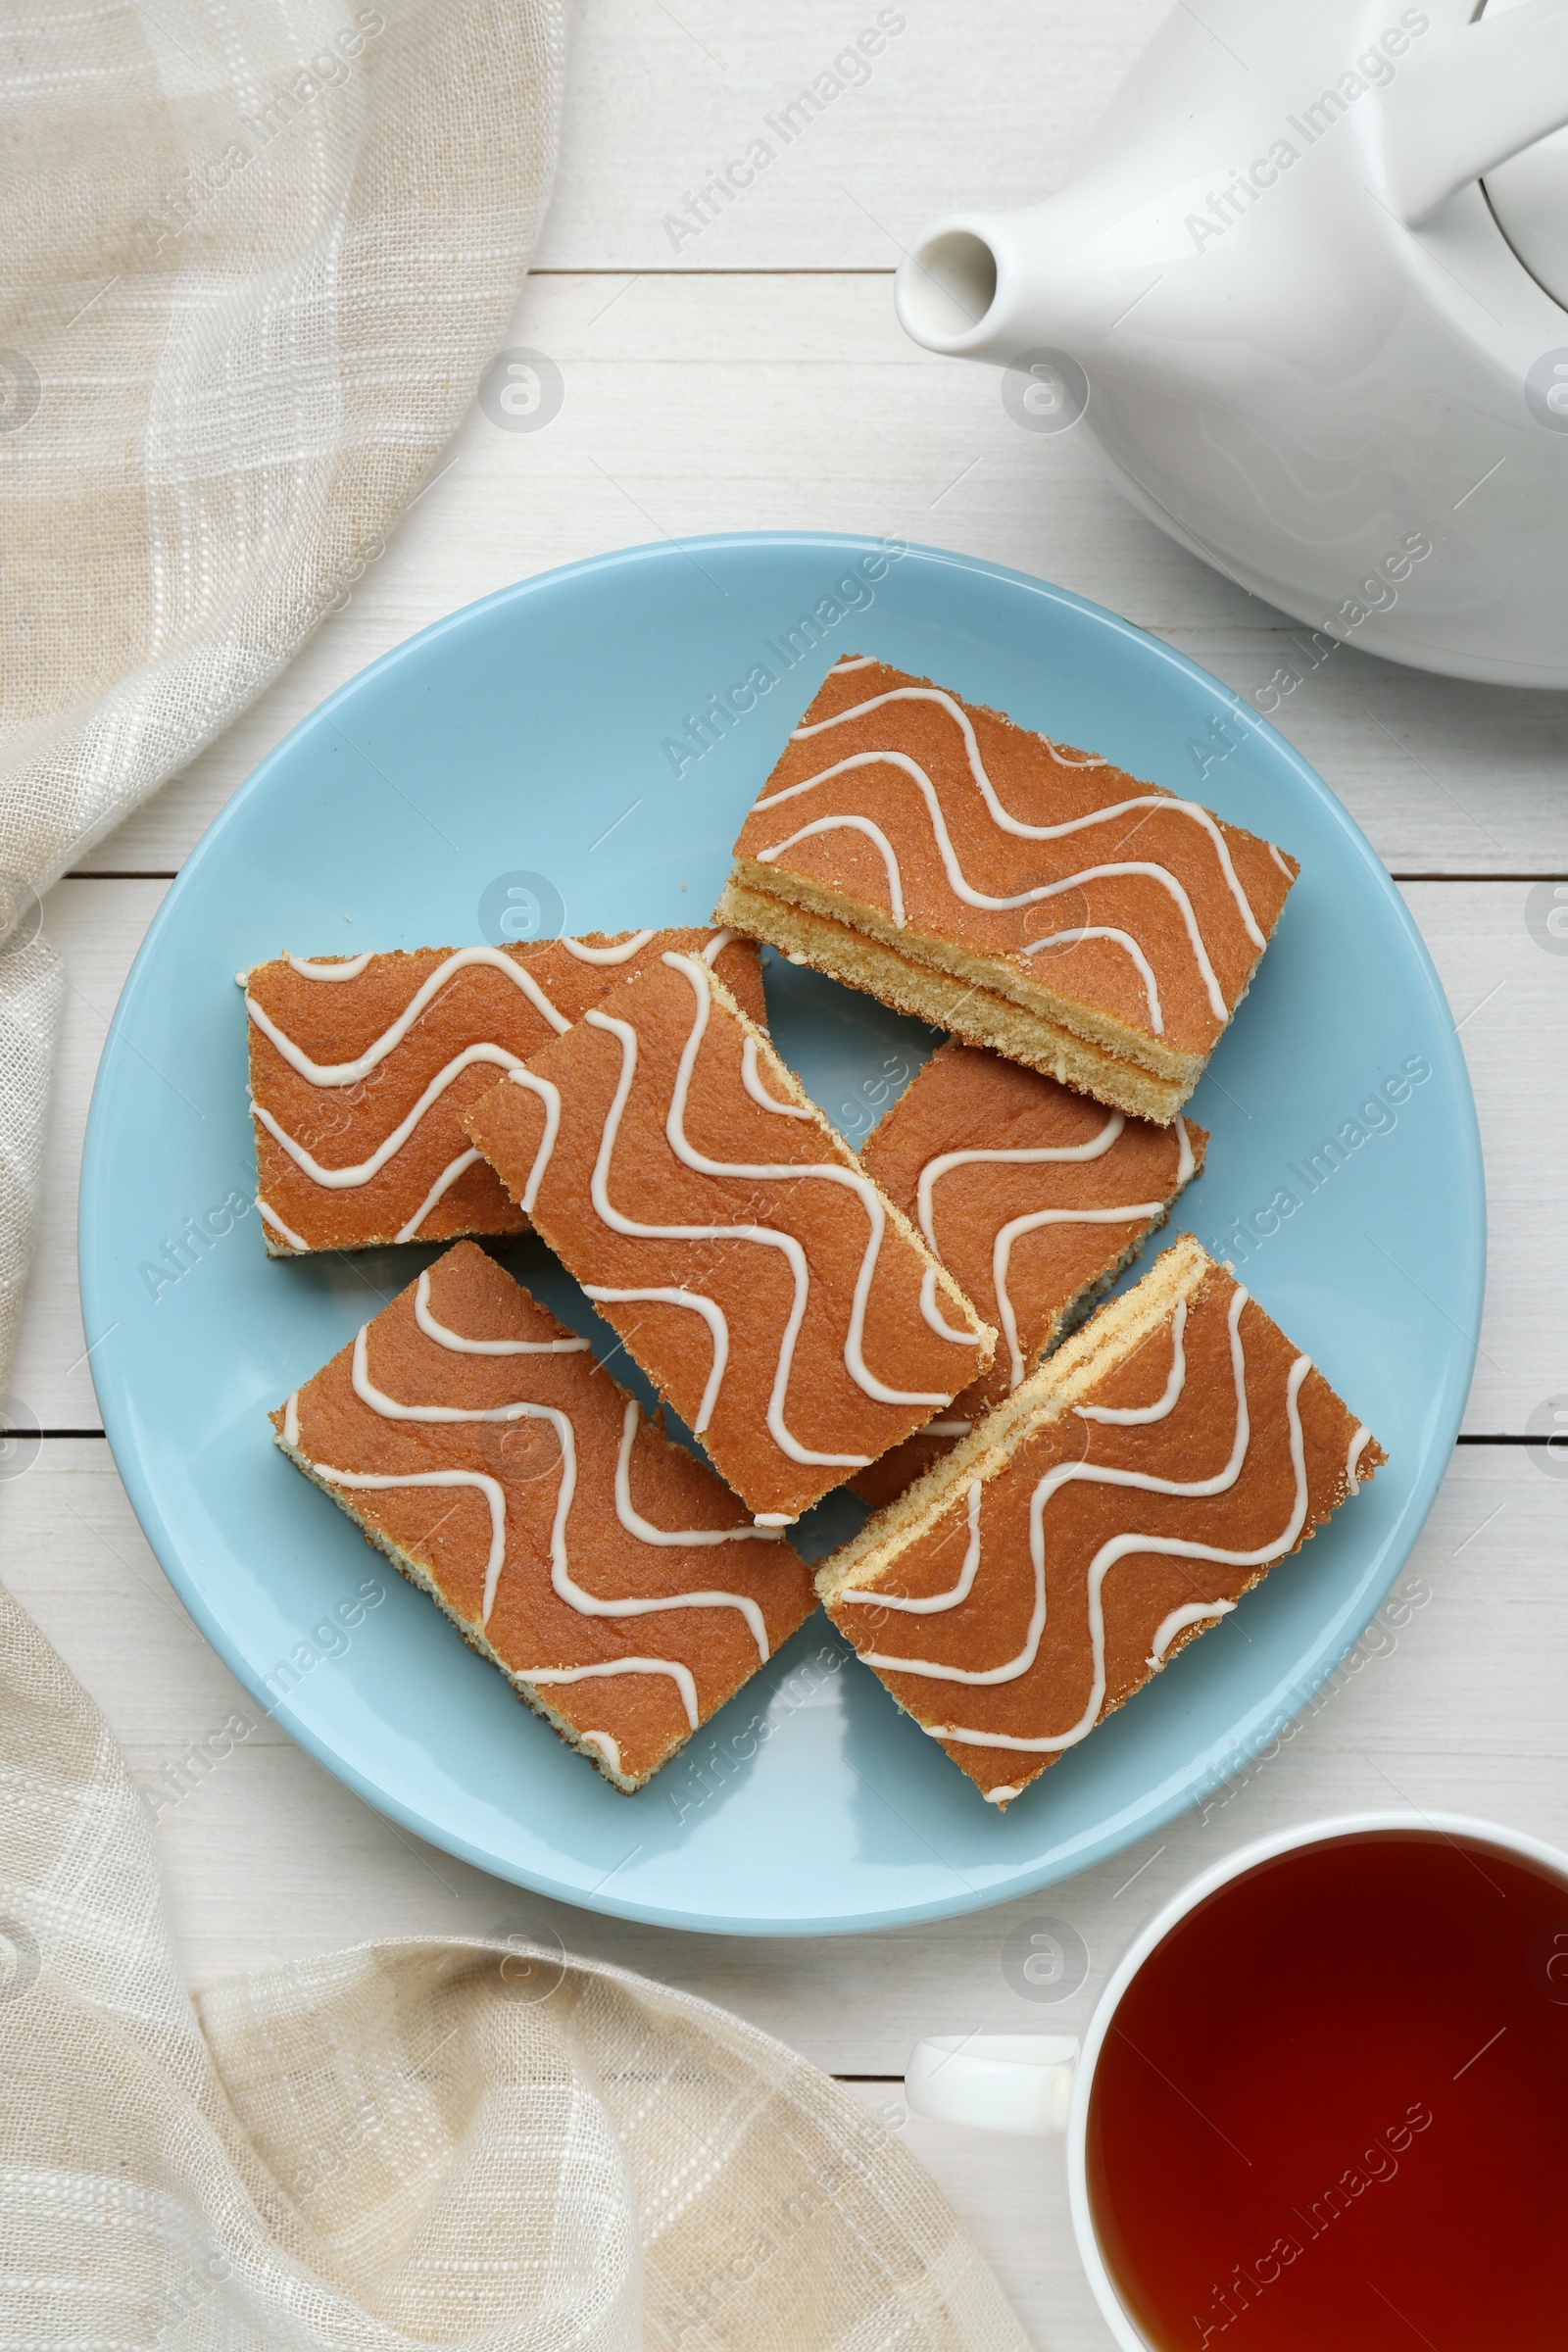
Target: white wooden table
x: 751, y: 374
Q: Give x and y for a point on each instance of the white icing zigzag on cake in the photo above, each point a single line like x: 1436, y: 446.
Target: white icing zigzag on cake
x: 622, y: 953
x: 1016, y: 1227
x: 931, y: 1604
x: 455, y: 1345
x: 329, y: 1076
x: 1006, y: 822
x: 409, y: 1231
x: 349, y: 1073
x: 463, y: 1160
x: 270, y: 1217
x: 362, y: 1171
x: 1118, y: 1547
x: 562, y: 1581
x: 785, y: 1243
x: 1128, y: 946
x: 765, y: 1237
x: 677, y: 1294
x: 1191, y: 1612
x: 635, y: 1524
x: 1132, y: 1416
x: 347, y: 967
x: 751, y: 1079
x: 958, y: 882
x: 828, y: 1172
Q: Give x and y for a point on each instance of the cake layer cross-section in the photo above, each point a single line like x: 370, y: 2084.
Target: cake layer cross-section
x: 1120, y: 1502
x: 1026, y: 895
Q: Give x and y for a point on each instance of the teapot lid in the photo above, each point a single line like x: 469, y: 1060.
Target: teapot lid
x: 1529, y: 196
x: 1488, y: 101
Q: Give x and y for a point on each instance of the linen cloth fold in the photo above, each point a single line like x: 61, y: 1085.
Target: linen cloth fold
x: 256, y: 261
x: 411, y: 2143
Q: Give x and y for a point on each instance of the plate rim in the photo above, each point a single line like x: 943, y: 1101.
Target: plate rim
x: 1201, y: 1777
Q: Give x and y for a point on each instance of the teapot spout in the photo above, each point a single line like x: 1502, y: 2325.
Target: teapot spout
x: 986, y: 285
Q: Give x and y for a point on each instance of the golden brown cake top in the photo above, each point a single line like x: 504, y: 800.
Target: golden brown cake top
x: 361, y: 1066
x: 1032, y: 1196
x: 781, y: 1303
x: 1120, y: 1502
x: 923, y: 818
x: 605, y: 1566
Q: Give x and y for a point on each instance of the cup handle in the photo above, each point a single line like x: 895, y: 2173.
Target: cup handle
x: 1018, y: 2083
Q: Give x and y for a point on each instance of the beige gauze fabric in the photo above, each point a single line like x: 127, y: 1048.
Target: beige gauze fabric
x: 410, y: 2144
x: 257, y: 256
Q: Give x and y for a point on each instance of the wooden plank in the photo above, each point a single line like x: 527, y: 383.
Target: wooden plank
x: 1509, y: 995
x: 1453, y: 1701
x: 696, y: 405
x: 660, y: 101
x: 1011, y: 2196
x: 1506, y: 978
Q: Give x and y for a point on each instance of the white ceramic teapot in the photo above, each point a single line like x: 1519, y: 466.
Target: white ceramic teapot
x: 1308, y: 290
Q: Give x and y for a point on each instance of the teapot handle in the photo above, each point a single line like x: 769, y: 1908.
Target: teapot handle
x: 1019, y: 2083
x: 1470, y: 100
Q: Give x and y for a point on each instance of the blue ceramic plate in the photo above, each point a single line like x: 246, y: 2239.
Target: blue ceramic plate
x: 552, y: 756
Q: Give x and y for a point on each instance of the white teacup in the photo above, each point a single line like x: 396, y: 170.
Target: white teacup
x: 1039, y: 2083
